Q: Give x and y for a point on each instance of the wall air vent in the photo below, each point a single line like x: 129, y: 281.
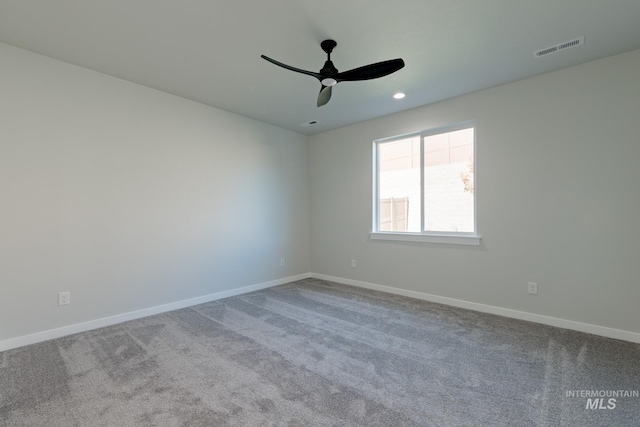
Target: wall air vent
x: 557, y: 48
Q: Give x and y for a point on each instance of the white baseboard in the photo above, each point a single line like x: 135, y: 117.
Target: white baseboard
x: 522, y: 315
x: 119, y: 318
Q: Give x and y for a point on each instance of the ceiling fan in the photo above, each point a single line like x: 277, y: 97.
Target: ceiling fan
x: 329, y: 75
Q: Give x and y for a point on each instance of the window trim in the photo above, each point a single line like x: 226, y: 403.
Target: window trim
x: 468, y: 239
x: 455, y: 238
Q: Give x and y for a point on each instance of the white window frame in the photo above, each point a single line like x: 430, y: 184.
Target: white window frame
x: 456, y: 238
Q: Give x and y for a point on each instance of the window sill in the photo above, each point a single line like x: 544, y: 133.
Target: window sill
x: 451, y: 239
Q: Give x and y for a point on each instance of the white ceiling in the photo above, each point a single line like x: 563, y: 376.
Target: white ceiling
x: 209, y: 50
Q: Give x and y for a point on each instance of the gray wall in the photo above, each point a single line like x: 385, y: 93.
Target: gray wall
x: 132, y: 198
x: 557, y: 187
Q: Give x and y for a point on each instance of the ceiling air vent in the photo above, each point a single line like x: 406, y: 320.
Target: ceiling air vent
x: 559, y: 47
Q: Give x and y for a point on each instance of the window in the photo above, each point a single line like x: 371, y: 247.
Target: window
x: 424, y: 187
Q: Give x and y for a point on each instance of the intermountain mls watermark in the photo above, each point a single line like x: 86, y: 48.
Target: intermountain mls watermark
x: 603, y: 399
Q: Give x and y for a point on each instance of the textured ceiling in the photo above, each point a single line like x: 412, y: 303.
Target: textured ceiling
x: 209, y: 51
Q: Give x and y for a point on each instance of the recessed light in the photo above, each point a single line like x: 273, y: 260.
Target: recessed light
x: 399, y: 95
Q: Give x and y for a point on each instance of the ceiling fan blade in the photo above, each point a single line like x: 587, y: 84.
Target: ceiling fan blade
x: 324, y: 96
x: 289, y: 67
x: 371, y: 71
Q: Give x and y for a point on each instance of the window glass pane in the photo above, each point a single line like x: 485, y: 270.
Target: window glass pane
x: 448, y: 182
x: 399, y: 185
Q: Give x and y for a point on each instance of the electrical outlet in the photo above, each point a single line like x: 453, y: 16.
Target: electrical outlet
x: 353, y: 263
x: 281, y: 262
x: 533, y: 288
x: 64, y: 298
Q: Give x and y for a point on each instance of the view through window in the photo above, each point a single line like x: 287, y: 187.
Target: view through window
x: 425, y: 182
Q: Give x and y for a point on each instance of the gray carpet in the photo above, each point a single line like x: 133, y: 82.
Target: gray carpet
x: 314, y: 353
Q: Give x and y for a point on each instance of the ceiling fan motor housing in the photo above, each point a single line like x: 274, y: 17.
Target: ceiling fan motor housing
x: 329, y: 69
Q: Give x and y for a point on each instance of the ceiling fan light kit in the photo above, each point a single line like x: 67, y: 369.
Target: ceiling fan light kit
x: 329, y: 76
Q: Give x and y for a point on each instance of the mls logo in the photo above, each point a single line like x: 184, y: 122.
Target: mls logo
x: 602, y: 399
x: 599, y: 403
